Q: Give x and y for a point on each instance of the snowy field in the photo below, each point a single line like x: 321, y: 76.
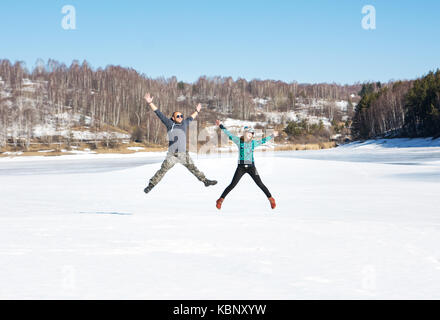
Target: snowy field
x: 358, y: 222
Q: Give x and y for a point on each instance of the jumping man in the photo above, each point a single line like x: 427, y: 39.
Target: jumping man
x: 177, y: 153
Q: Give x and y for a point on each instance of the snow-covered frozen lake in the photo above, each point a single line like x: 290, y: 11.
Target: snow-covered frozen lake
x: 64, y: 165
x: 394, y: 151
x: 356, y: 222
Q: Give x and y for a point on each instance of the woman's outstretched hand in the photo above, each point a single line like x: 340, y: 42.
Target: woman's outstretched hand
x: 275, y: 133
x: 217, y: 123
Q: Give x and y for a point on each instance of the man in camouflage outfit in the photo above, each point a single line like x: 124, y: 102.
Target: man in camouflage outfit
x: 177, y: 153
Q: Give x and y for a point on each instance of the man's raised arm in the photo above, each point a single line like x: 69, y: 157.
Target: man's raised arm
x: 149, y: 100
x: 196, y: 112
x: 167, y: 122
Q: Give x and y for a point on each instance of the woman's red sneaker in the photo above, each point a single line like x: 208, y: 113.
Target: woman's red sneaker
x: 219, y: 203
x: 272, y: 202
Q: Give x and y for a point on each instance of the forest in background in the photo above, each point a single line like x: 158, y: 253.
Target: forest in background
x: 113, y: 97
x: 399, y: 109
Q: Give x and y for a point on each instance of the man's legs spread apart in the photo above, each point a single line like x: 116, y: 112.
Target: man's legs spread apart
x: 167, y: 164
x: 185, y: 159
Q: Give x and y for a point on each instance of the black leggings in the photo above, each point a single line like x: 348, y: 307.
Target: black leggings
x: 252, y: 171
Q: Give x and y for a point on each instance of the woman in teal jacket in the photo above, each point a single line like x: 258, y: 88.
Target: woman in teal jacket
x: 246, y: 164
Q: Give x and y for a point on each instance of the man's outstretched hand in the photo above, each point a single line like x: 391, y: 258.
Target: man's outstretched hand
x: 276, y: 133
x: 148, y: 98
x: 196, y: 112
x: 217, y: 123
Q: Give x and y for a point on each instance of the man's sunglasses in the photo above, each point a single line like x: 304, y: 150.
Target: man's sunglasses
x: 179, y: 116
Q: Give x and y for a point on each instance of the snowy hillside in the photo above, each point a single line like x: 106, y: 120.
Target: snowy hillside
x: 304, y: 110
x: 32, y: 117
x: 61, y: 124
x: 342, y: 228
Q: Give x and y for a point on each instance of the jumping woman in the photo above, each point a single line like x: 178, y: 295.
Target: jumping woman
x: 246, y: 145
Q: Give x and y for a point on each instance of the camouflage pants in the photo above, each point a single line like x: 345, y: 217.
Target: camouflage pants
x: 169, y: 162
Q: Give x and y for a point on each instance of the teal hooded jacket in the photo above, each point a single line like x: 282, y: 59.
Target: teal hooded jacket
x: 245, y: 149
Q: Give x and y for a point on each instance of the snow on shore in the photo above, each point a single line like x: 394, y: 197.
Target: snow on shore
x: 394, y: 143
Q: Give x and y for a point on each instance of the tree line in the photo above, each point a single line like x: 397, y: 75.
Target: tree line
x: 113, y: 96
x: 399, y: 109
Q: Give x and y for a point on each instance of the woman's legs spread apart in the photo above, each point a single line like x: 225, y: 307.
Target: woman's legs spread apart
x: 256, y: 177
x: 237, y: 176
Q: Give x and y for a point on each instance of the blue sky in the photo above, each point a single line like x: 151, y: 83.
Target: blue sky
x: 293, y: 40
